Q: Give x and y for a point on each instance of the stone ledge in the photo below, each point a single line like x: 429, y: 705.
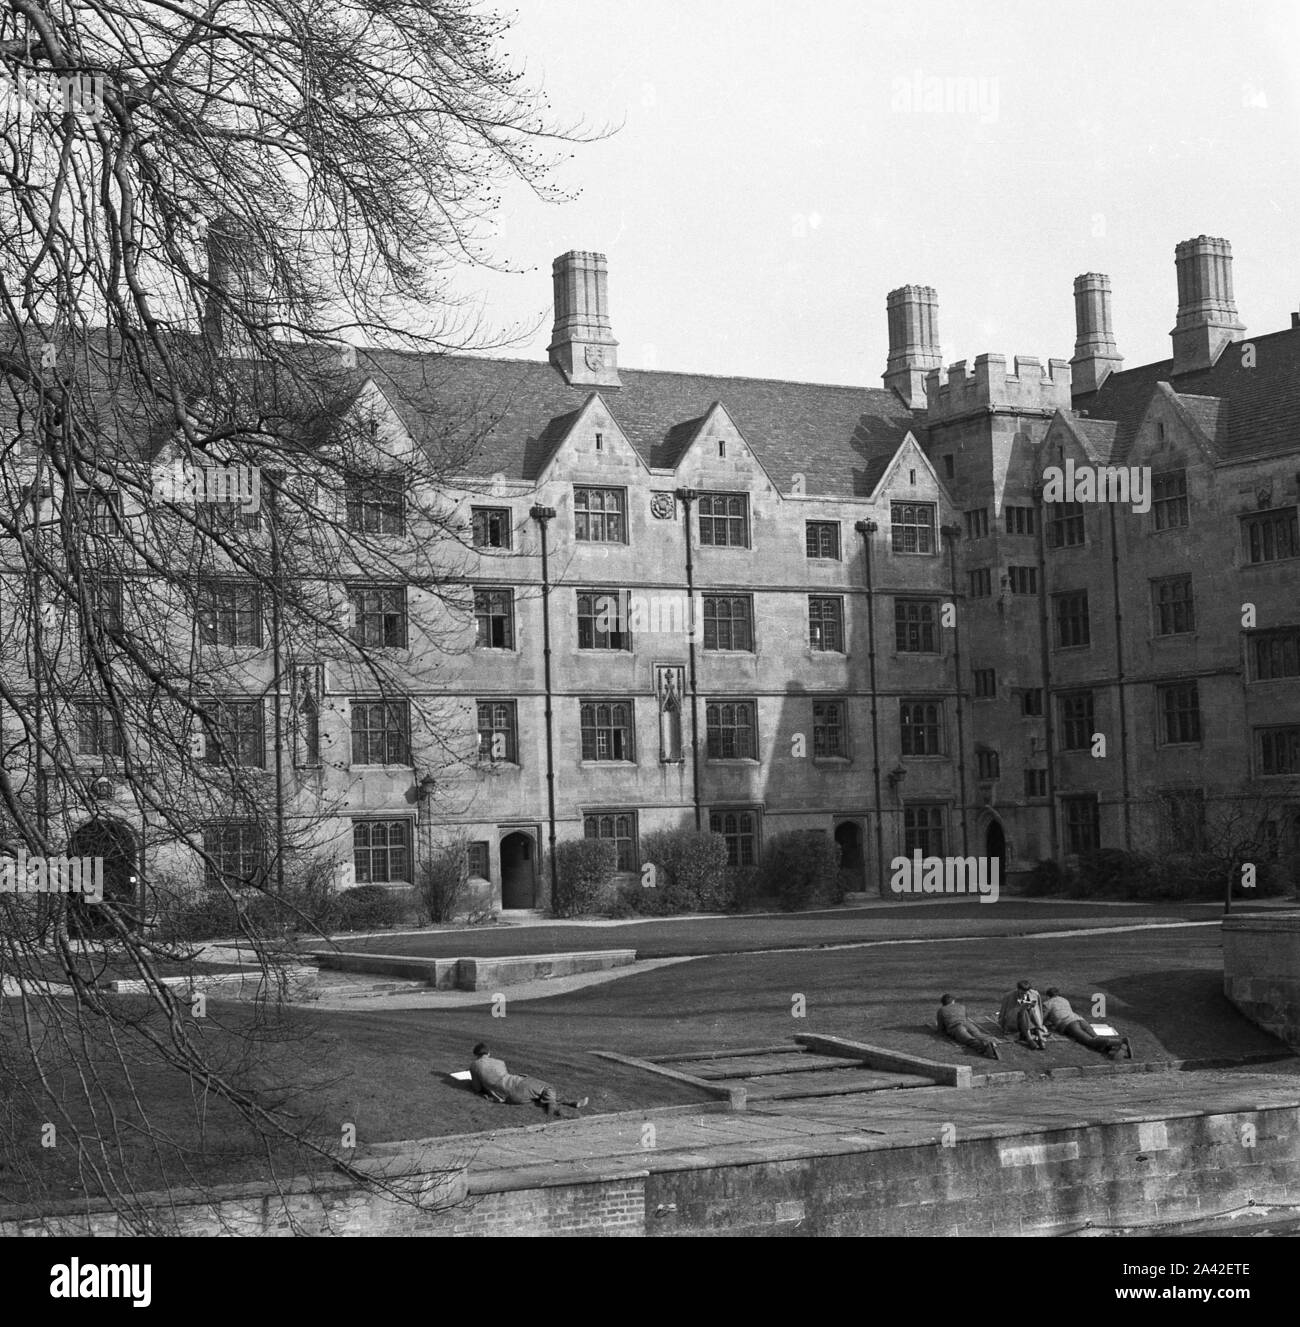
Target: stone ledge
x: 287, y: 978
x: 878, y: 1057
x: 476, y: 974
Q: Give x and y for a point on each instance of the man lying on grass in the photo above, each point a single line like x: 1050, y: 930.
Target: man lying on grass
x: 1061, y: 1018
x: 492, y: 1079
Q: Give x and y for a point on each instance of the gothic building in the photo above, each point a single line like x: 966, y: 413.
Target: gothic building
x: 757, y: 605
x: 1008, y: 610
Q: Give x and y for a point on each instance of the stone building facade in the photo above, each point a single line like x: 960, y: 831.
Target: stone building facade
x: 755, y: 605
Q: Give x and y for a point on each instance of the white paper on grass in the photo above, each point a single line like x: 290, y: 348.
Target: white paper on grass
x: 1103, y: 1030
x: 461, y: 1075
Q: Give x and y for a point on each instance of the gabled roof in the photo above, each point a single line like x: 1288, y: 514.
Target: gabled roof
x: 512, y: 413
x: 1246, y: 411
x: 1095, y: 436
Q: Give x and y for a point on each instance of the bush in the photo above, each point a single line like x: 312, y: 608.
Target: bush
x: 583, y: 869
x: 444, y: 881
x: 743, y: 887
x: 1115, y: 873
x: 368, y: 908
x: 1046, y: 878
x: 802, y: 869
x: 690, y: 870
x: 205, y: 914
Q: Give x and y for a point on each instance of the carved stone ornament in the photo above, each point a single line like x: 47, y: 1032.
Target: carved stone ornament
x: 663, y: 506
x: 594, y: 357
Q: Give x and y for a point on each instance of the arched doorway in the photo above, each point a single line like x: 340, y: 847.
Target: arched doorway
x: 995, y: 846
x: 848, y: 837
x: 115, y: 844
x: 518, y: 870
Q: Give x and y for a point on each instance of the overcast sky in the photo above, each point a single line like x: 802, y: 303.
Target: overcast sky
x: 776, y: 173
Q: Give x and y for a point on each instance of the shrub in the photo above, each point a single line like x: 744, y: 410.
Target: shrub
x: 743, y: 887
x: 369, y: 907
x: 691, y: 872
x: 802, y: 868
x: 1115, y: 873
x: 205, y: 914
x: 584, y: 869
x: 444, y: 881
x: 1046, y: 878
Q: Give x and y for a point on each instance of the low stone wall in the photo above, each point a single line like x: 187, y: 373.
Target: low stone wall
x: 1003, y: 1183
x: 1261, y: 970
x: 476, y: 974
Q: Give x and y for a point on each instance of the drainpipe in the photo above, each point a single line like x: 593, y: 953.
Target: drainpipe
x: 686, y: 496
x: 277, y: 665
x: 542, y: 515
x: 1119, y: 685
x: 1045, y: 652
x: 866, y: 529
x: 952, y: 533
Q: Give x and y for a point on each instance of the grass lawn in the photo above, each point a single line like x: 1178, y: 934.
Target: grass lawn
x: 931, y: 919
x: 383, y: 1070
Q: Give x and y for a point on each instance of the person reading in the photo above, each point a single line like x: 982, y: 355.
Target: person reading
x: 1022, y: 1013
x: 492, y: 1079
x: 1060, y: 1017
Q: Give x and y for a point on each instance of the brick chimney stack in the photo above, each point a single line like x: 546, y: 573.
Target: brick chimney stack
x: 239, y: 278
x: 913, y: 313
x: 582, y: 345
x: 1096, y: 356
x: 1207, y: 316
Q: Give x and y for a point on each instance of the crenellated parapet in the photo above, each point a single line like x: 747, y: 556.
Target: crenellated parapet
x: 1029, y: 387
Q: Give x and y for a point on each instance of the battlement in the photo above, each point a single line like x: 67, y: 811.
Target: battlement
x: 1029, y: 387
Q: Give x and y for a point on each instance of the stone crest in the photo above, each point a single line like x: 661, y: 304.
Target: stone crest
x: 663, y: 506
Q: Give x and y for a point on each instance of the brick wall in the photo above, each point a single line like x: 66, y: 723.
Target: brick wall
x: 1115, y: 1174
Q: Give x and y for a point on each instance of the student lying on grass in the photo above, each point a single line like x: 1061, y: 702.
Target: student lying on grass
x: 1061, y: 1018
x: 954, y: 1022
x: 492, y: 1079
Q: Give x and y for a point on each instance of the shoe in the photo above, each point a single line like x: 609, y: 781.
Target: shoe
x: 993, y: 1051
x: 1128, y: 1048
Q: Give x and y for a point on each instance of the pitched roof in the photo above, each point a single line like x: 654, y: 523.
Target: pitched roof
x: 1246, y: 411
x: 838, y: 438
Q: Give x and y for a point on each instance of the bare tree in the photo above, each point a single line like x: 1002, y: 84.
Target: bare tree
x: 218, y: 224
x: 1239, y: 835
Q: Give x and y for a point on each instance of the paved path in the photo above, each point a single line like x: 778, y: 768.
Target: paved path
x: 752, y: 933
x: 678, y: 1139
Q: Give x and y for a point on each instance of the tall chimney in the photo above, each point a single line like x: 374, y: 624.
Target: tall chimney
x: 1096, y: 356
x: 239, y: 282
x: 582, y: 346
x: 1207, y: 316
x: 913, y: 313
